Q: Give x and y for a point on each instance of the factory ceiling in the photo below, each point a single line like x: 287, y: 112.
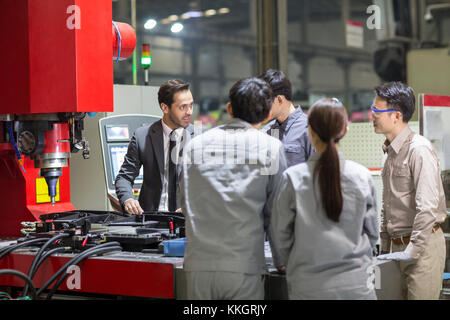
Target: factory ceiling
x: 238, y: 12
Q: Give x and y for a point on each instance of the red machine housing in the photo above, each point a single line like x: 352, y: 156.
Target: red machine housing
x: 57, y: 139
x: 56, y: 61
x: 101, y: 275
x: 50, y: 68
x: 126, y: 42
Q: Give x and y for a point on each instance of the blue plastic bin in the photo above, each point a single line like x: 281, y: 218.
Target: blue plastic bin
x: 175, y: 247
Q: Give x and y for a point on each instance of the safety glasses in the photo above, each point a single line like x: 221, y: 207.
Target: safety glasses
x: 377, y: 112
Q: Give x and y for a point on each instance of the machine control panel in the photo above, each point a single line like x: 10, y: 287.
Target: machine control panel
x: 115, y: 135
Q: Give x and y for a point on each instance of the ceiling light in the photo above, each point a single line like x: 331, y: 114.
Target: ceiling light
x: 150, y: 24
x: 193, y: 14
x: 224, y: 10
x: 210, y: 12
x: 176, y: 27
x: 173, y: 17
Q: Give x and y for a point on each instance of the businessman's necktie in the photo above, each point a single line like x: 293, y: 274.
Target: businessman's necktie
x: 172, y: 173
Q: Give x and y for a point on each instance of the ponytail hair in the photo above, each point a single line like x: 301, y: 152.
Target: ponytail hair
x: 328, y: 119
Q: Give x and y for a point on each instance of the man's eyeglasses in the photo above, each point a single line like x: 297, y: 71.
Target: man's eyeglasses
x: 377, y: 112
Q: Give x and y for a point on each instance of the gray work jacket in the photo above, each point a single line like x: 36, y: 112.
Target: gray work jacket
x: 320, y: 254
x: 229, y: 177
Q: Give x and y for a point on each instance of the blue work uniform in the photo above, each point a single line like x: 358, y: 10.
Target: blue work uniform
x: 293, y: 133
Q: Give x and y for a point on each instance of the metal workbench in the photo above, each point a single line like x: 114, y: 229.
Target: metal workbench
x: 150, y: 275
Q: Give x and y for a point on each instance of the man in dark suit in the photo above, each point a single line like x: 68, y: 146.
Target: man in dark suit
x: 157, y: 147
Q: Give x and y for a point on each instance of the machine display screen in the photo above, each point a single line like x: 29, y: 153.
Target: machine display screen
x: 117, y: 133
x: 117, y: 153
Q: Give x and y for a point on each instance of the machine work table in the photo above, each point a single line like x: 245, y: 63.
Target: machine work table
x: 151, y: 275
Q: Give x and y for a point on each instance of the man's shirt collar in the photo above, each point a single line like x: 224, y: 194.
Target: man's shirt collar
x: 398, y: 141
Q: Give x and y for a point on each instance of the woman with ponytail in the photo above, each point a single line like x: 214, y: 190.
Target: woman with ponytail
x: 324, y: 218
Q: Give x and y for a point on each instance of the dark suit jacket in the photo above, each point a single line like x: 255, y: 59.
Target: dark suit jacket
x: 146, y: 149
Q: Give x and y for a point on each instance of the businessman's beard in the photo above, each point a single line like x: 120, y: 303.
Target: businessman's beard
x: 178, y: 122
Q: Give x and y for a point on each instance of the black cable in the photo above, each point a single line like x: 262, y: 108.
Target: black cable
x: 64, y: 267
x: 4, y: 249
x: 46, y: 255
x: 49, y: 242
x: 22, y: 276
x: 76, y: 262
x: 19, y: 245
x: 42, y: 249
x: 24, y: 242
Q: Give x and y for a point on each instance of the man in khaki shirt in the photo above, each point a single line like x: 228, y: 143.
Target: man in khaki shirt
x: 413, y: 195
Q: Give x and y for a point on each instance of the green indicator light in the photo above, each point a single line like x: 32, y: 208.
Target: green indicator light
x: 146, y: 61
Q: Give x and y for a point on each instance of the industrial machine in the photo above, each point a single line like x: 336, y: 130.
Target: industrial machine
x: 134, y: 233
x: 58, y: 71
x: 434, y: 115
x: 115, y: 135
x: 446, y: 182
x: 57, y: 67
x: 89, y: 252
